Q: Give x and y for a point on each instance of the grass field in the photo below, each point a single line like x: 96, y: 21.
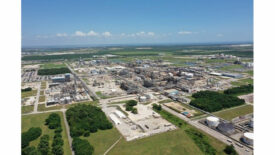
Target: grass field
x: 242, y: 82
x: 100, y: 141
x: 42, y: 107
x: 165, y: 101
x: 38, y: 120
x: 26, y: 109
x: 43, y: 85
x: 28, y: 93
x: 41, y: 92
x: 172, y: 142
x: 99, y: 94
x: 235, y: 112
x: 52, y: 65
x: 42, y: 98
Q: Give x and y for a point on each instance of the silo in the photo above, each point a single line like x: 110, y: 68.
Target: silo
x: 212, y: 121
x: 248, y: 138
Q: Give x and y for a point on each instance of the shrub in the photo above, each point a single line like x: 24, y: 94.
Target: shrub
x: 82, y: 147
x: 54, y: 121
x: 31, y: 150
x: 134, y: 111
x: 43, y: 146
x: 157, y: 107
x: 229, y: 149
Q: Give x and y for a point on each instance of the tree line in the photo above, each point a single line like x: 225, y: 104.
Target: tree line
x: 26, y: 89
x: 244, y: 89
x: 54, y: 71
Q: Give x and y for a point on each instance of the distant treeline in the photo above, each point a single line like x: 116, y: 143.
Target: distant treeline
x: 213, y: 101
x: 244, y: 89
x: 53, y: 71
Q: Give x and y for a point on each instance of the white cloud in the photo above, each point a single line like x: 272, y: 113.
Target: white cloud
x: 92, y: 33
x: 61, y: 35
x: 151, y: 33
x: 79, y: 33
x: 122, y: 34
x: 106, y: 34
x: 219, y: 35
x: 184, y: 32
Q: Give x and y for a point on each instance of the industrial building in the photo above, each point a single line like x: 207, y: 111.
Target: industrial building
x: 120, y: 114
x: 226, y: 128
x: 212, y: 121
x: 115, y: 119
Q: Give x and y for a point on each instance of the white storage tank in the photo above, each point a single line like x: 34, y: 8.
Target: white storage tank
x: 248, y: 138
x: 212, y: 121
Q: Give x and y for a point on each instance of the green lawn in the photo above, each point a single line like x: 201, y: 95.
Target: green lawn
x: 52, y: 65
x: 41, y: 92
x: 103, y: 139
x: 42, y: 107
x: 28, y: 93
x: 242, y: 82
x: 102, y: 96
x: 235, y: 112
x: 38, y: 120
x: 26, y: 109
x: 42, y: 98
x: 43, y: 85
x: 165, y: 101
x: 231, y: 67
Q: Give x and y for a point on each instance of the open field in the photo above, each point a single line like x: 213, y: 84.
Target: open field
x: 103, y: 139
x: 41, y: 92
x: 26, y: 109
x: 52, y: 65
x: 42, y: 98
x: 28, y: 93
x: 38, y: 120
x: 172, y: 142
x: 43, y: 85
x: 42, y: 107
x: 234, y: 112
x: 242, y: 82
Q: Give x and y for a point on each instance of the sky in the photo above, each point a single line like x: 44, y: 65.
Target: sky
x: 103, y: 22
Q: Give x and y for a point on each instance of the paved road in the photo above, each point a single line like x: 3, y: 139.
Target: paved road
x: 67, y: 130
x: 211, y: 132
x: 37, y: 99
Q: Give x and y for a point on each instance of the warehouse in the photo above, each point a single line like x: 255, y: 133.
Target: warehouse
x: 115, y: 119
x: 120, y: 114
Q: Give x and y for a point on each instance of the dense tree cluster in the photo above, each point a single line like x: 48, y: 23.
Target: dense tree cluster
x: 43, y: 146
x: 130, y: 106
x: 53, y: 71
x: 229, y: 149
x: 201, y: 141
x: 26, y: 89
x: 57, y: 145
x: 244, y: 89
x: 30, y: 150
x: 53, y: 121
x: 86, y: 118
x: 82, y: 147
x: 213, y: 101
x: 30, y: 135
x: 157, y: 107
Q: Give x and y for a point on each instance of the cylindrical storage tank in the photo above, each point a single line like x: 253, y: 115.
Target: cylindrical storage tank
x: 212, y: 121
x: 248, y: 138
